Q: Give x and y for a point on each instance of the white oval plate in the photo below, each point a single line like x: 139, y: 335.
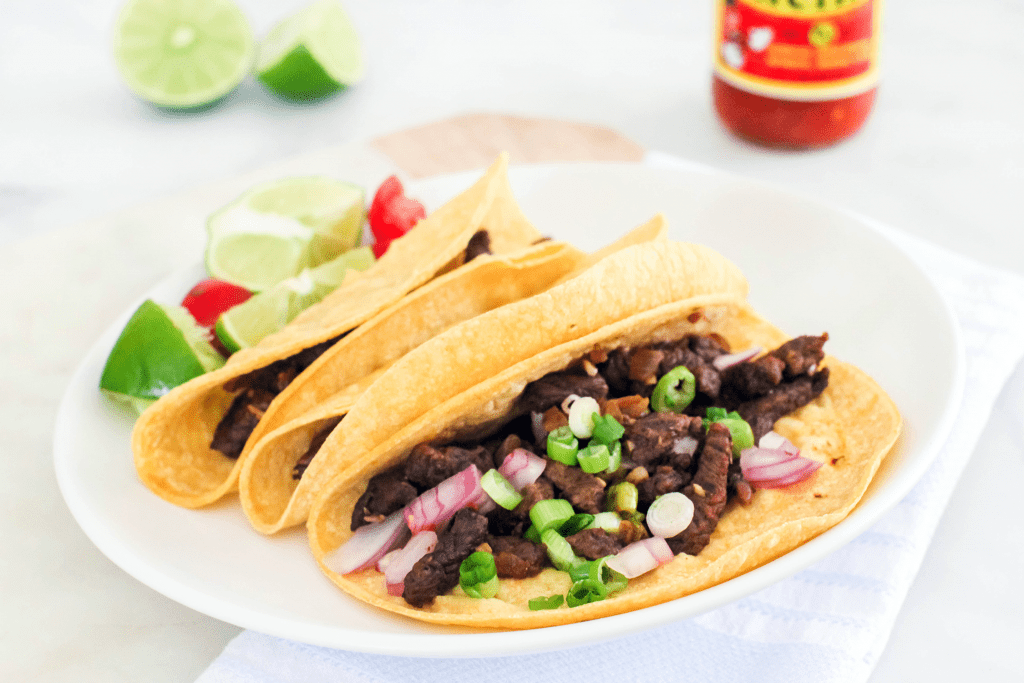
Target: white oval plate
x: 811, y: 268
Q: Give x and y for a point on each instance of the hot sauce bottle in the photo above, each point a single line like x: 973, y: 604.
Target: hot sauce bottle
x: 796, y: 73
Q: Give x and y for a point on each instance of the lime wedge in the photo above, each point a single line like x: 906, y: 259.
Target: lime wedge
x: 160, y: 348
x: 183, y: 53
x: 311, y: 54
x: 275, y: 231
x: 265, y: 313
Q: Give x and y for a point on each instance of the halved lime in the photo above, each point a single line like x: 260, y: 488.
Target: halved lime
x: 160, y: 348
x: 311, y: 54
x: 275, y: 231
x: 265, y: 313
x: 183, y: 53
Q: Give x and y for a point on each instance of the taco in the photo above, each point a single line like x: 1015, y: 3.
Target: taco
x: 190, y: 445
x: 427, y: 478
x: 281, y: 472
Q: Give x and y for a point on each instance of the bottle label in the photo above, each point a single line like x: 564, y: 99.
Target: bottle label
x: 798, y: 49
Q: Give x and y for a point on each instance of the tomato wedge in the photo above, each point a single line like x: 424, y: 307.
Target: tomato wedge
x: 211, y: 297
x: 392, y: 214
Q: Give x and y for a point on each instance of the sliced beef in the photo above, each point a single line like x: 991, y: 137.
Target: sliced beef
x: 738, y: 483
x: 437, y: 572
x: 258, y: 388
x: 315, y: 445
x: 517, y: 557
x: 595, y: 543
x: 541, y: 489
x: 679, y: 353
x: 584, y: 491
x: 708, y: 491
x: 745, y: 381
x: 479, y: 244
x: 661, y: 437
x: 385, y: 493
x: 762, y: 412
x: 427, y: 466
x: 708, y: 346
x: 635, y: 370
x: 801, y: 354
x: 243, y: 415
x: 554, y: 388
x: 664, y: 480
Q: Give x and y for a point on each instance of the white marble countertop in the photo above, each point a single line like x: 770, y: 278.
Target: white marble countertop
x: 941, y: 158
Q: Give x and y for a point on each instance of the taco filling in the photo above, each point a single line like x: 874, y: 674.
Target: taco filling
x: 607, y: 470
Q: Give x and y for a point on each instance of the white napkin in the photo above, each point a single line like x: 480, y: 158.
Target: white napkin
x: 829, y: 622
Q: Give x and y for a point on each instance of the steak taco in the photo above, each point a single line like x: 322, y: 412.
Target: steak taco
x: 190, y: 445
x: 677, y: 446
x: 281, y: 474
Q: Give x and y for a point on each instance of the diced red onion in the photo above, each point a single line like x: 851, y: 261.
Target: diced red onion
x: 444, y: 500
x: 772, y: 468
x: 484, y: 504
x: 686, y: 445
x: 729, y: 359
x: 418, y: 546
x: 776, y: 440
x: 641, y: 557
x: 669, y: 514
x: 367, y: 545
x: 389, y: 557
x: 521, y: 467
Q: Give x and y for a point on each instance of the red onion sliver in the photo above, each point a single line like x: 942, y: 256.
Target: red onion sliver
x: 418, y: 546
x: 641, y: 557
x: 775, y: 468
x: 776, y: 440
x: 367, y: 545
x: 521, y: 467
x: 808, y: 467
x: 730, y: 359
x: 444, y: 500
x: 389, y: 557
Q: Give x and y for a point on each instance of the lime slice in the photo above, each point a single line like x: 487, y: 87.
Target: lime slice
x: 275, y: 231
x: 183, y: 53
x: 160, y: 348
x: 265, y: 313
x: 311, y: 54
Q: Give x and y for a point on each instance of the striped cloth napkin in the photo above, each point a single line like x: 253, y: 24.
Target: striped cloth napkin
x: 829, y: 622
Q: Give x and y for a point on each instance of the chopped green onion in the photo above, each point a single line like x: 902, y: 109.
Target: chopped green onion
x: 714, y: 413
x: 674, y: 391
x: 623, y: 497
x: 598, y: 569
x: 500, y: 490
x: 587, y: 590
x: 478, y: 575
x: 549, y: 602
x: 607, y: 429
x: 614, y: 456
x: 742, y: 434
x: 551, y: 513
x: 609, y: 521
x: 594, y: 458
x: 575, y: 524
x: 563, y: 445
x: 559, y: 551
x: 531, y: 534
x: 739, y: 429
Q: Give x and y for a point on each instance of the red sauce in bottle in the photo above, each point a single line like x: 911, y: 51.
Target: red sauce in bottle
x: 796, y: 73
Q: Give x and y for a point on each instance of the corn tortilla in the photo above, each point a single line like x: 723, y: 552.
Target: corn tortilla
x: 850, y: 427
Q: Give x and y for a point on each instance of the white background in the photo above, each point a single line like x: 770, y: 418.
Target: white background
x: 941, y: 157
